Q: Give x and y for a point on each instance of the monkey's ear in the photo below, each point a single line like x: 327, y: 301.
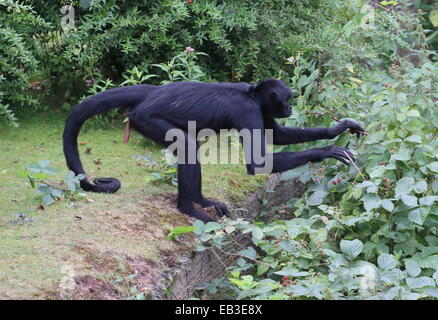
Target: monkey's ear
x: 273, y: 96
x: 259, y: 87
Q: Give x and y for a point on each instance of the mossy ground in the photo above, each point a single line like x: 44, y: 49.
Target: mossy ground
x: 101, y: 242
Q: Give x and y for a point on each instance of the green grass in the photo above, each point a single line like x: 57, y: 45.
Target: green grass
x: 105, y: 238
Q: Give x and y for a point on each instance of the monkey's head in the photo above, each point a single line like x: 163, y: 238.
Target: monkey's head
x: 274, y: 96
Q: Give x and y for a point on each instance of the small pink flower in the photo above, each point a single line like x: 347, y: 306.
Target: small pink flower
x: 189, y: 49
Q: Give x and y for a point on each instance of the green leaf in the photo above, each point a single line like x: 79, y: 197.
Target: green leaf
x: 47, y: 199
x: 316, y: 198
x: 44, y: 163
x: 177, y: 231
x: 49, y: 170
x: 421, y: 282
x: 390, y: 276
x: 404, y: 186
x: 34, y: 168
x: 376, y: 172
x: 429, y: 262
x: 199, y: 227
x: 420, y: 186
x: 386, y: 261
x: 415, y: 216
x: 262, y: 268
x: 413, y: 113
x: 413, y: 268
x: 248, y: 252
x: 351, y: 249
x: 343, y: 139
x: 410, y: 201
x: 403, y: 154
x: 428, y: 200
x: 431, y: 291
x: 433, y: 166
x: 371, y: 201
x: 414, y: 139
x: 210, y: 226
x: 319, y: 236
x: 57, y: 193
x: 387, y: 205
x: 31, y: 181
x: 291, y: 272
x: 433, y: 17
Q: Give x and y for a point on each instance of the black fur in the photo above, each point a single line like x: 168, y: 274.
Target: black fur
x: 156, y: 109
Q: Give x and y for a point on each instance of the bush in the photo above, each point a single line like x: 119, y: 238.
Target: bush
x: 18, y: 24
x: 367, y: 231
x: 244, y: 40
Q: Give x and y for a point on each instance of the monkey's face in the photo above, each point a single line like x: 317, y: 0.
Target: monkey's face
x: 280, y: 103
x: 274, y: 95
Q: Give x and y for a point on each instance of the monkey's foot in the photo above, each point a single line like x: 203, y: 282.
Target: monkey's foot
x: 190, y: 211
x: 221, y: 208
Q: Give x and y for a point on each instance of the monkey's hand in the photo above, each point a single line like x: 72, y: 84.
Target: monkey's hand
x: 355, y: 128
x: 339, y: 153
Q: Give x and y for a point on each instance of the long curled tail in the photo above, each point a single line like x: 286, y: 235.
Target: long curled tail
x: 125, y: 97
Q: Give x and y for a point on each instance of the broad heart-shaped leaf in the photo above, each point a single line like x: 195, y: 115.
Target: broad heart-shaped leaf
x: 410, y: 201
x: 431, y: 291
x: 415, y: 216
x: 403, y: 155
x: 404, y: 186
x: 433, y: 166
x: 34, y: 168
x: 49, y: 170
x: 387, y: 205
x: 420, y: 186
x: 210, y: 226
x: 414, y: 139
x: 429, y: 262
x: 316, y: 198
x: 421, y: 282
x: 386, y: 261
x: 199, y: 227
x: 351, y: 249
x: 48, y: 199
x: 428, y: 200
x: 57, y: 193
x: 44, y: 163
x: 376, y: 172
x: 413, y: 268
x: 294, y: 173
x: 371, y: 201
x: 291, y: 272
x: 390, y: 276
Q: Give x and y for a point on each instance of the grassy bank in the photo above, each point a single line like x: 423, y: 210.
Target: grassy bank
x: 112, y: 246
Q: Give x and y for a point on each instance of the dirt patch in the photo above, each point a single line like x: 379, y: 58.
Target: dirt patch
x: 110, y: 275
x: 99, y: 261
x: 147, y: 274
x: 90, y: 288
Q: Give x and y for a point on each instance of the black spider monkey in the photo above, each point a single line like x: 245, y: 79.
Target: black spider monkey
x: 156, y: 109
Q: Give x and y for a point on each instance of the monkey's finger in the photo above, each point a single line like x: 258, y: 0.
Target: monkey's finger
x: 347, y: 154
x: 343, y: 160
